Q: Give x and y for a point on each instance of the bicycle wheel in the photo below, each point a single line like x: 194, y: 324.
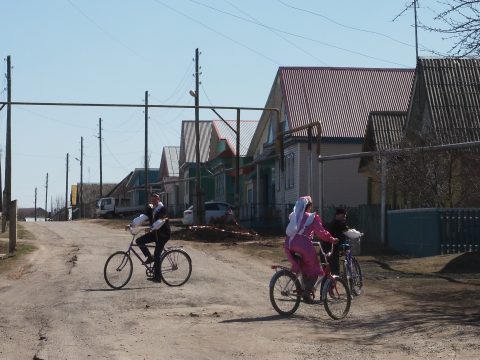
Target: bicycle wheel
x: 336, y: 297
x: 285, y: 292
x: 176, y: 267
x: 118, y: 270
x: 356, y: 278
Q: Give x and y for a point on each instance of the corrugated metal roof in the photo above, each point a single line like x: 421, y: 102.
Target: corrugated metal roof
x: 385, y: 129
x: 247, y: 129
x: 341, y: 98
x: 384, y: 132
x: 453, y: 91
x: 187, y: 144
x: 171, y: 156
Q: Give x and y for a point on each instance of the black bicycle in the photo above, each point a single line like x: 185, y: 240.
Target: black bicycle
x: 175, y: 265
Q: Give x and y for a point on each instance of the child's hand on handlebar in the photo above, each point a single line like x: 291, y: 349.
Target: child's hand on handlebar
x: 335, y: 240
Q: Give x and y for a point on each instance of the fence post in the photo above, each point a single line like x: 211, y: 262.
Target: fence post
x: 12, y: 243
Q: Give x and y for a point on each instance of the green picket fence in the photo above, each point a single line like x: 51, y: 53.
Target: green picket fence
x: 459, y: 230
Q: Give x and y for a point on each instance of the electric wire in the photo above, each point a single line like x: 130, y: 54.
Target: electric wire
x: 53, y: 119
x: 352, y: 27
x: 115, y: 39
x: 305, y: 37
x: 114, y: 157
x: 275, y: 33
x: 218, y: 32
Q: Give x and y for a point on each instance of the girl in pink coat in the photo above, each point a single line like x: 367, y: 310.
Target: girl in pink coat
x: 300, y: 230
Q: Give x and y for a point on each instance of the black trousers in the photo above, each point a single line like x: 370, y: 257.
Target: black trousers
x: 160, y: 242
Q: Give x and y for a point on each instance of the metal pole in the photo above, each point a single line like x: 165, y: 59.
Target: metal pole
x: 8, y: 150
x: 66, y: 191
x: 416, y: 32
x: 100, y: 146
x: 81, y: 177
x: 146, y: 147
x: 46, y: 197
x: 310, y: 163
x: 35, y: 204
x: 198, y: 187
x: 12, y: 223
x: 237, y: 164
x: 383, y: 201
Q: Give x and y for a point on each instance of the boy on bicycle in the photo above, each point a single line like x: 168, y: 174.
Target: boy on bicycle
x: 158, y: 232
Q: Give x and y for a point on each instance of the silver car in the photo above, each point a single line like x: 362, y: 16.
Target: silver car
x: 213, y: 209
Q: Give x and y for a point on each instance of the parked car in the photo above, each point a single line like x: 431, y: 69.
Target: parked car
x: 213, y: 209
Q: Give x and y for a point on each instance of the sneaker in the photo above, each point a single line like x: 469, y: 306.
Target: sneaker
x: 156, y: 280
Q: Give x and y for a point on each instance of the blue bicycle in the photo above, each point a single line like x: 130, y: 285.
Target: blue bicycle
x: 351, y: 270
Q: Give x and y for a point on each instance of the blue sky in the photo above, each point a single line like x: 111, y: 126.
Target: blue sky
x: 113, y: 51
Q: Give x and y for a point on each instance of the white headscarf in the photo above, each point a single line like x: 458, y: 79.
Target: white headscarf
x: 297, y: 215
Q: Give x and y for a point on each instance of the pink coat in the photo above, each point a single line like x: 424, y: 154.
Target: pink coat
x: 302, y: 244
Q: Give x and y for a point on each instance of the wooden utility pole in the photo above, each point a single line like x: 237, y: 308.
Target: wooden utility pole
x: 198, y: 185
x: 146, y: 147
x: 1, y: 186
x: 81, y: 178
x: 100, y: 145
x: 35, y: 204
x: 66, y: 191
x: 12, y: 225
x: 8, y: 151
x: 46, y: 197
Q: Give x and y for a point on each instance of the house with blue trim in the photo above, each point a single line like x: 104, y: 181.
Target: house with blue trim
x: 340, y: 100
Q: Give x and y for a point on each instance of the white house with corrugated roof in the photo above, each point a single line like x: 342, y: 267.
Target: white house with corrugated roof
x: 168, y: 178
x: 187, y: 162
x: 340, y: 99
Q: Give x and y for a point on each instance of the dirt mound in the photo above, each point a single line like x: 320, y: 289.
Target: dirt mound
x: 212, y: 233
x: 465, y: 263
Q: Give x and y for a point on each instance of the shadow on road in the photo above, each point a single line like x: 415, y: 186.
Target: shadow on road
x: 255, y: 319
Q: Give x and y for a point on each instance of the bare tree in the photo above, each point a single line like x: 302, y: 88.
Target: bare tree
x: 436, y: 178
x: 458, y: 20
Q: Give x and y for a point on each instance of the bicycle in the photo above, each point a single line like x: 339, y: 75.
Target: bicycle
x: 175, y: 265
x: 286, y: 289
x: 351, y: 270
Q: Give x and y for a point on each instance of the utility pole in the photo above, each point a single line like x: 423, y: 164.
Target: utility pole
x: 81, y: 177
x: 146, y: 147
x: 198, y: 186
x: 66, y: 191
x: 8, y: 151
x: 416, y: 32
x: 100, y: 144
x: 35, y: 204
x: 46, y: 197
x: 1, y: 186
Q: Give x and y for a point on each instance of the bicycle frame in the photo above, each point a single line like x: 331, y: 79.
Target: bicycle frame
x: 321, y: 279
x: 133, y: 245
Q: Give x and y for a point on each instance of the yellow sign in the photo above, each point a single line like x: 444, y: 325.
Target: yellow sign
x: 73, y: 196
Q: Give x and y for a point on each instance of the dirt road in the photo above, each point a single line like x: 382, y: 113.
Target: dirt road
x: 56, y: 305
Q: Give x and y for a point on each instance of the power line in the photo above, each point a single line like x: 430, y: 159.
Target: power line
x: 55, y: 120
x: 303, y: 37
x: 114, y: 157
x: 275, y: 33
x: 105, y: 31
x: 218, y: 33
